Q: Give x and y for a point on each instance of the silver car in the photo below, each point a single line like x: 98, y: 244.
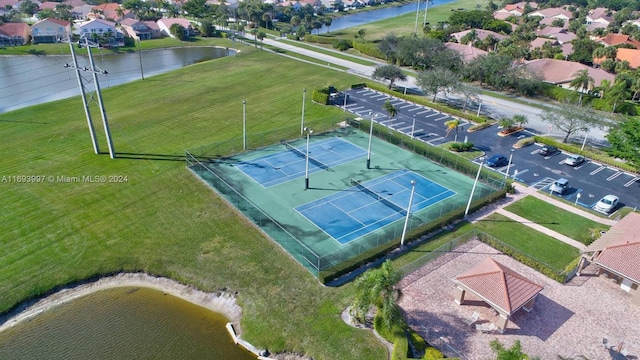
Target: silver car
x: 574, y: 160
x: 606, y: 204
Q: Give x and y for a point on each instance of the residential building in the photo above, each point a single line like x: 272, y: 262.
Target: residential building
x: 630, y: 55
x: 165, y: 25
x: 142, y: 30
x: 618, y: 39
x: 102, y: 31
x: 50, y: 30
x: 561, y: 73
x: 467, y: 52
x: 12, y: 34
x: 480, y: 34
x: 556, y: 13
x: 599, y: 16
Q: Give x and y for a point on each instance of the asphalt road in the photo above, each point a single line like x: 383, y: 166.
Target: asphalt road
x: 588, y: 182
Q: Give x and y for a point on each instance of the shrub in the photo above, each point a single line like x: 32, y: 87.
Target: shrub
x: 524, y: 142
x: 419, y: 344
x: 370, y: 49
x: 461, y: 146
x: 433, y: 353
x: 342, y: 45
x: 479, y: 126
x: 321, y: 96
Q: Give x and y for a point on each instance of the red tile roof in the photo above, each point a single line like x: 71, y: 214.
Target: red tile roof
x: 499, y: 286
x: 630, y: 55
x: 467, y: 52
x: 562, y: 72
x: 15, y: 29
x: 621, y: 248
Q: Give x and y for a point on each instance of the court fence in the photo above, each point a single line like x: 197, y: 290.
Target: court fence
x: 369, y: 247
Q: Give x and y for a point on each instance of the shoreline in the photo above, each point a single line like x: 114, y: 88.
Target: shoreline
x: 220, y: 302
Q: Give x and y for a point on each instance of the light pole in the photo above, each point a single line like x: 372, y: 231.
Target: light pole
x: 140, y: 58
x: 509, y: 165
x: 415, y: 28
x: 479, y: 107
x: 370, y: 137
x: 584, y: 142
x: 304, y: 93
x: 473, y: 189
x: 344, y: 107
x: 244, y: 124
x: 406, y: 219
x: 413, y: 126
x: 306, y: 167
x: 577, y: 198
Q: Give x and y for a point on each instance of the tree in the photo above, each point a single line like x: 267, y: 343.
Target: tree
x: 360, y: 34
x: 266, y: 18
x: 582, y: 83
x: 570, y: 118
x: 377, y: 288
x: 390, y: 73
x: 327, y: 22
x: 178, y: 31
x: 436, y: 80
x: 197, y: 8
x: 254, y: 32
x: 617, y: 94
x: 261, y: 35
x: 512, y: 353
x: 28, y: 7
x: 520, y: 119
x: 389, y: 108
x: 388, y: 46
x: 625, y: 141
x: 451, y: 125
x: 207, y: 29
x: 46, y: 13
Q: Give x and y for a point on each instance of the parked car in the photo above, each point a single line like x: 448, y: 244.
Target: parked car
x: 497, y: 161
x: 606, y: 204
x: 559, y: 186
x: 574, y: 160
x: 547, y: 150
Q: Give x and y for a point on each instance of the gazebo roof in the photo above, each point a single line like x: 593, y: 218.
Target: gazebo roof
x: 499, y: 286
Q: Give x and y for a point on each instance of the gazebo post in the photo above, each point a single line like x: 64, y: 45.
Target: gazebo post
x: 502, y: 322
x: 459, y: 299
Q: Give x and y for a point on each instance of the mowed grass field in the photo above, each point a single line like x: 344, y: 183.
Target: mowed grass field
x: 163, y: 220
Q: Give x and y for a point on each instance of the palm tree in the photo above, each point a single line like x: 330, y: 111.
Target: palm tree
x: 390, y: 109
x: 582, y: 82
x: 451, y: 125
x: 520, y: 119
x: 377, y: 288
x: 617, y: 94
x: 327, y: 22
x: 261, y: 35
x: 604, y: 87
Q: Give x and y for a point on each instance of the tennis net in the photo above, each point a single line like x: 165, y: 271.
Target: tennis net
x: 304, y: 155
x: 378, y: 197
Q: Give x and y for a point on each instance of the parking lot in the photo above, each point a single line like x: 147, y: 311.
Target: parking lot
x: 588, y: 182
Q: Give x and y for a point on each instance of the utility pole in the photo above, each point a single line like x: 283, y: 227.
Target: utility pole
x: 140, y: 58
x: 95, y: 95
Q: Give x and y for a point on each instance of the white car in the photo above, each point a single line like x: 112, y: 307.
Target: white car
x: 606, y: 204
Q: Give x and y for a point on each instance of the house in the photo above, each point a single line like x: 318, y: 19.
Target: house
x: 480, y: 34
x: 142, y: 30
x: 549, y: 30
x: 12, y: 34
x: 98, y: 29
x: 516, y: 9
x: 9, y: 4
x: 539, y: 42
x: 50, y: 30
x: 81, y: 12
x: 618, y: 39
x: 165, y: 25
x: 564, y: 37
x: 556, y: 13
x: 112, y: 11
x: 48, y: 5
x: 599, y: 16
x: 550, y: 21
x: 561, y: 73
x: 630, y: 55
x: 617, y: 254
x: 467, y: 52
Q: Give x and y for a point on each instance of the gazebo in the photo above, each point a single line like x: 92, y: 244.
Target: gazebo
x: 500, y: 287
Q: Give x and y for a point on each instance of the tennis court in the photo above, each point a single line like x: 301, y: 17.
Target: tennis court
x: 366, y: 207
x: 290, y: 163
x: 333, y: 220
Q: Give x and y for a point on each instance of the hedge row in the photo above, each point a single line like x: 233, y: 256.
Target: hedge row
x: 600, y: 157
x: 369, y: 49
x: 319, y: 39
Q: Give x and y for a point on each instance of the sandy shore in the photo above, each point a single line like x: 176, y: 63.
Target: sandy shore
x: 222, y: 303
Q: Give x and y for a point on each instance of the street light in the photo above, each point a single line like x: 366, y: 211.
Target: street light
x: 304, y: 93
x: 370, y: 137
x: 577, y: 198
x: 473, y: 189
x: 413, y: 126
x: 586, y: 133
x: 406, y: 219
x: 306, y: 171
x: 244, y: 124
x: 344, y: 108
x: 509, y: 164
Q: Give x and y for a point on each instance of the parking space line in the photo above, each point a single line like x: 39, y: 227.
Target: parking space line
x: 364, y: 91
x: 615, y: 175
x: 632, y: 181
x: 406, y: 106
x: 386, y: 122
x: 375, y: 96
x: 402, y: 130
x: 414, y: 109
x: 424, y: 112
x: 396, y: 103
x: 543, y: 183
x: 597, y: 170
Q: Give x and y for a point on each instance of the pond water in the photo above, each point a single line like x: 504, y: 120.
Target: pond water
x: 123, y: 323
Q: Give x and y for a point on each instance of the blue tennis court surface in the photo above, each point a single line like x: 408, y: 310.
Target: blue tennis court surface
x: 354, y: 212
x: 290, y: 163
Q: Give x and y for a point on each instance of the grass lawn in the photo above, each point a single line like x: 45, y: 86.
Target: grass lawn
x: 566, y: 223
x: 163, y: 220
x: 337, y: 54
x: 404, y: 24
x: 531, y: 242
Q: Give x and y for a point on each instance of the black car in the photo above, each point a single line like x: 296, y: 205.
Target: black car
x: 497, y: 161
x: 547, y: 150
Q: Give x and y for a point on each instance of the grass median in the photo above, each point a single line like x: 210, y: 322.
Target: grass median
x: 157, y: 217
x: 564, y: 222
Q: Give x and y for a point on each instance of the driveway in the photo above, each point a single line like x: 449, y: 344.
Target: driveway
x: 568, y: 320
